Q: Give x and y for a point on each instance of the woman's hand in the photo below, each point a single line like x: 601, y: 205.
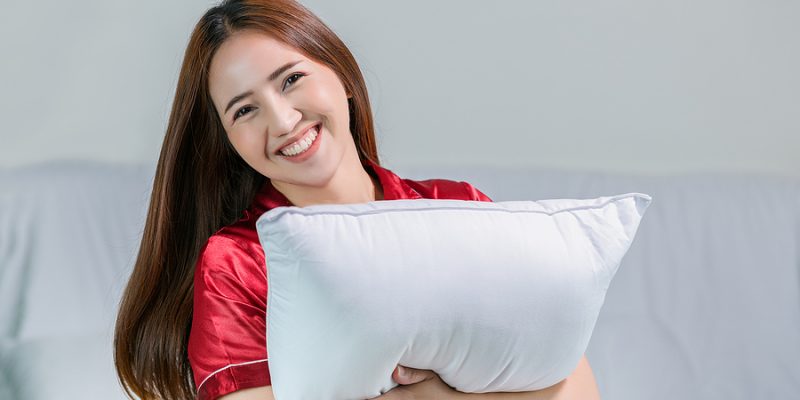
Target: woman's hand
x: 418, y: 384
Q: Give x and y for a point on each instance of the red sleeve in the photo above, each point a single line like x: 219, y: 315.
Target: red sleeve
x: 227, y: 344
x: 474, y: 194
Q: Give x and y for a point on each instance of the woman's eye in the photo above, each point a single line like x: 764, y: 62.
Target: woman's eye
x: 289, y: 79
x: 239, y: 112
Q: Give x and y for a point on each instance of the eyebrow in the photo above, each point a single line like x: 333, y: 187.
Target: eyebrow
x: 271, y: 78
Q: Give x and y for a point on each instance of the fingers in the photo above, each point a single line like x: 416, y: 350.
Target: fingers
x: 409, y: 376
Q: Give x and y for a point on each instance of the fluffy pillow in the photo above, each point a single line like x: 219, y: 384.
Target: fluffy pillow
x: 493, y: 297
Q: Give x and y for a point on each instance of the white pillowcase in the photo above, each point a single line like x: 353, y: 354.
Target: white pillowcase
x: 493, y: 297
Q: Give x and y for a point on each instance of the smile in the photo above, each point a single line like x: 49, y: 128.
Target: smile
x: 301, y: 145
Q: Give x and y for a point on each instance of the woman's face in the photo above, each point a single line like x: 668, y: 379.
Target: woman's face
x: 267, y: 96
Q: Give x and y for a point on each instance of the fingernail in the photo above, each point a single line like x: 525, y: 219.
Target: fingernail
x: 401, y: 372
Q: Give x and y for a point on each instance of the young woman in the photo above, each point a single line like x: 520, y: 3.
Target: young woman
x: 270, y: 110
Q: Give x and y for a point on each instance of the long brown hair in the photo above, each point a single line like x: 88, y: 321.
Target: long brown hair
x: 201, y: 184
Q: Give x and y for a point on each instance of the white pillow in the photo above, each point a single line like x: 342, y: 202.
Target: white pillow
x: 494, y: 297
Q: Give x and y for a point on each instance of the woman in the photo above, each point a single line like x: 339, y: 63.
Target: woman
x: 270, y: 110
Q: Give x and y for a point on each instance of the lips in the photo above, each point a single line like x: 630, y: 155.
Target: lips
x: 297, y: 137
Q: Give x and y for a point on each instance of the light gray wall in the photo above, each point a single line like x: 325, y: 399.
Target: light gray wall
x: 635, y: 86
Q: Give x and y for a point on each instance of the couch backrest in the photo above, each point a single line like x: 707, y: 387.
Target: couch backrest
x: 70, y: 232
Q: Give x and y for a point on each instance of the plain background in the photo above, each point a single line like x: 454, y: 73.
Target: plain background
x: 633, y: 86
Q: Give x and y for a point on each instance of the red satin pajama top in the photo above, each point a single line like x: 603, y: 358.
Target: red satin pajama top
x: 228, y: 344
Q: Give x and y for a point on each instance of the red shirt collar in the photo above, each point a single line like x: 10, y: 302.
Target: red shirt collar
x: 394, y: 188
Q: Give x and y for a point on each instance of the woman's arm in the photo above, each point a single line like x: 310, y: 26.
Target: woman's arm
x: 426, y: 384
x: 256, y: 393
x: 580, y: 385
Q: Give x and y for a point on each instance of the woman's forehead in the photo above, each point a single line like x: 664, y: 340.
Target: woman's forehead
x: 248, y: 50
x: 247, y: 58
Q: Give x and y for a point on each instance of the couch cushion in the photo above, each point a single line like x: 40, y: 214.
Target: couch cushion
x: 68, y: 367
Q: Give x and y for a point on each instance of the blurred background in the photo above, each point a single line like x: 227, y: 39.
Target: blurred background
x: 696, y: 103
x: 642, y: 87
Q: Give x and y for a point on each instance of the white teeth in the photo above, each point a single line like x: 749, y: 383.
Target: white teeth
x: 302, y: 144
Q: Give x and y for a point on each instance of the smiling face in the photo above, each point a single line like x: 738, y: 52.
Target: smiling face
x: 284, y: 93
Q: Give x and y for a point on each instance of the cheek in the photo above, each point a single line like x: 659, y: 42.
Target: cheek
x: 329, y: 99
x: 320, y: 99
x: 248, y: 145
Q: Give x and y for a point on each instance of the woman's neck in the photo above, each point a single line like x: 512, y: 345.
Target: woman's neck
x: 350, y: 184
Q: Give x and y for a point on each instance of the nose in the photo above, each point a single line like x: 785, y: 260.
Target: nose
x: 282, y: 118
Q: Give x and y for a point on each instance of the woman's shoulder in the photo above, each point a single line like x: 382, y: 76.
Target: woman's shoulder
x: 230, y: 251
x: 446, y: 189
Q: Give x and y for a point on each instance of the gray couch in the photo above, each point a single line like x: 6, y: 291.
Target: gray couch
x: 705, y: 305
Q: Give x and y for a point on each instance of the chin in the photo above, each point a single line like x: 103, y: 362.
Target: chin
x: 319, y: 178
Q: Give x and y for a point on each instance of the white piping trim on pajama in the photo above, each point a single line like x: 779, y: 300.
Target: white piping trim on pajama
x: 226, y: 367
